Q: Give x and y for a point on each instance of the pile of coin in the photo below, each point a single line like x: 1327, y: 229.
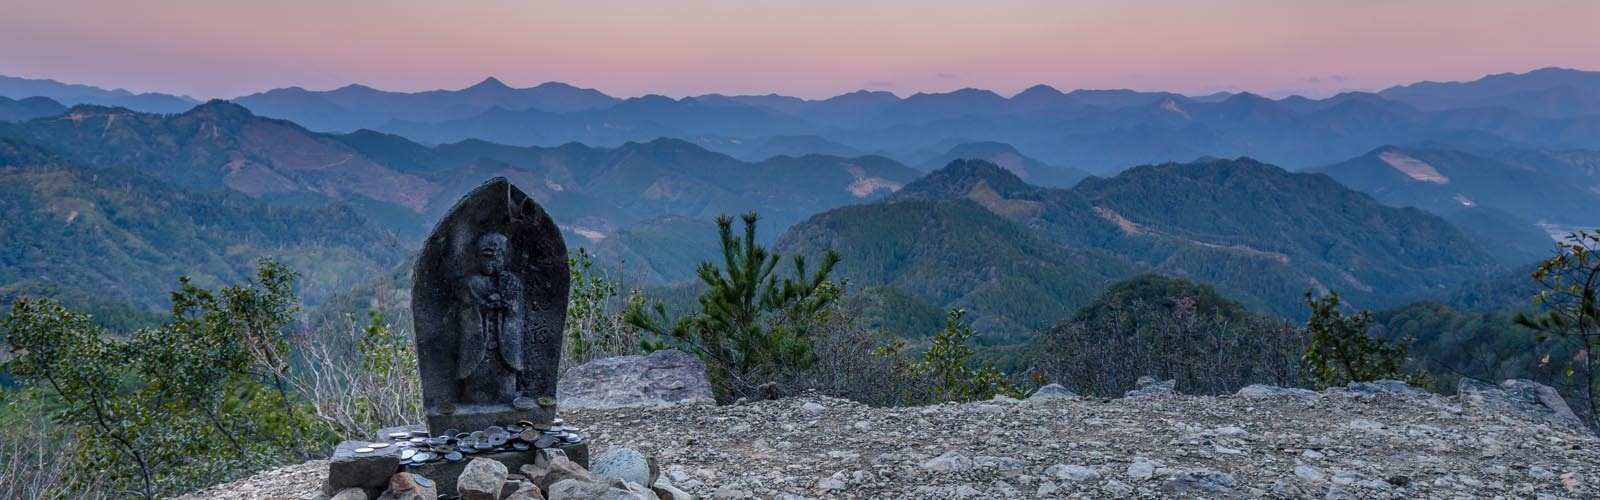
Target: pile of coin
x: 418, y: 447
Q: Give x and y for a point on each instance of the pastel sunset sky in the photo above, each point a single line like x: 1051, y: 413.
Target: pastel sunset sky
x: 811, y: 48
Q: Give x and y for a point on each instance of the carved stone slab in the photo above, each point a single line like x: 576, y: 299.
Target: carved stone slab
x: 489, y: 304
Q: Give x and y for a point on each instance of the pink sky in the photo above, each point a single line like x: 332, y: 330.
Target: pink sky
x: 811, y: 48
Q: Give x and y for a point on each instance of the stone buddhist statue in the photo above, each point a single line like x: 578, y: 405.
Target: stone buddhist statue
x: 489, y: 305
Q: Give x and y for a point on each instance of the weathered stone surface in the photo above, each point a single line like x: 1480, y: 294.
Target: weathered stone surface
x: 370, y: 471
x: 1147, y: 388
x: 351, y: 494
x: 407, y: 486
x: 1403, y: 447
x: 446, y: 473
x: 557, y: 469
x: 663, y: 378
x: 1272, y: 391
x: 1392, y: 387
x: 1052, y: 391
x: 483, y: 479
x: 525, y: 491
x: 1072, y: 473
x: 574, y: 490
x: 950, y: 461
x: 665, y: 490
x: 624, y: 464
x: 488, y: 307
x: 1520, y: 395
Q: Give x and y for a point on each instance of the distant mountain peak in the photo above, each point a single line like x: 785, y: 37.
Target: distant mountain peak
x: 490, y: 83
x: 1040, y: 89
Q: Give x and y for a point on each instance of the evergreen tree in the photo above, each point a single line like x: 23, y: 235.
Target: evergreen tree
x: 1339, y: 351
x: 752, y: 326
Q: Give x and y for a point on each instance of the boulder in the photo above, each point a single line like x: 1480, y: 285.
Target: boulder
x: 368, y: 470
x: 1146, y: 387
x: 1052, y: 391
x: 525, y: 491
x: 1519, y: 395
x: 951, y: 461
x: 1391, y: 387
x: 663, y: 378
x: 548, y: 471
x: 1272, y: 391
x: 483, y: 479
x: 407, y: 486
x: 351, y: 494
x: 624, y: 464
x: 666, y: 491
x: 571, y: 489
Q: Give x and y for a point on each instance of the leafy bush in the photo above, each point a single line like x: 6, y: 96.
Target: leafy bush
x: 198, y: 400
x: 1572, y: 312
x: 1340, y: 351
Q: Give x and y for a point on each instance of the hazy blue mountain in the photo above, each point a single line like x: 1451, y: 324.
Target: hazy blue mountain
x: 637, y: 119
x: 1446, y: 181
x: 1548, y: 92
x: 356, y: 106
x: 1007, y: 157
x: 28, y: 108
x: 778, y: 145
x: 72, y: 94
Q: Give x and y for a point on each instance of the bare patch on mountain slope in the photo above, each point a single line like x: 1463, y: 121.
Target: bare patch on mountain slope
x: 864, y: 185
x: 1172, y: 106
x: 1127, y: 226
x: 1016, y: 210
x: 1416, y: 169
x: 322, y: 162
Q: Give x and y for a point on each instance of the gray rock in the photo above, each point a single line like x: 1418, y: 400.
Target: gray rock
x: 1046, y: 489
x: 812, y: 408
x: 624, y: 464
x: 1204, y: 481
x: 667, y: 491
x: 663, y: 378
x: 407, y: 486
x: 351, y: 494
x: 572, y: 489
x: 1309, y: 473
x: 1271, y: 391
x: 495, y: 265
x: 1519, y: 395
x: 1152, y: 389
x: 1141, y: 470
x: 483, y: 479
x: 1052, y: 391
x: 369, y: 471
x: 1391, y: 387
x: 1072, y: 473
x: 525, y: 491
x: 556, y: 469
x: 830, y: 484
x: 1144, y: 381
x: 951, y: 461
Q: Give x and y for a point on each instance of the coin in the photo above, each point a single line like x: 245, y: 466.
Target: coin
x: 422, y: 457
x: 377, y: 446
x: 454, y: 456
x: 520, y: 446
x: 494, y: 430
x: 450, y: 432
x: 407, y: 454
x: 557, y: 421
x: 572, y: 438
x: 481, y: 446
x: 419, y: 434
x: 399, y: 435
x: 363, y: 450
x: 529, y: 435
x: 541, y: 427
x: 546, y: 441
x: 419, y: 440
x: 422, y: 481
x: 497, y: 440
x: 524, y: 403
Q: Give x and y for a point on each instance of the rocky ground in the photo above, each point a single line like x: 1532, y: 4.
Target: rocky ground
x: 1340, y: 443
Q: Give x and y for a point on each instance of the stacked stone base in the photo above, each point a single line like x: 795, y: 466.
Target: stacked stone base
x: 372, y: 471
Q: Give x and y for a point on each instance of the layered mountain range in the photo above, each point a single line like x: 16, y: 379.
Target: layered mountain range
x: 961, y: 199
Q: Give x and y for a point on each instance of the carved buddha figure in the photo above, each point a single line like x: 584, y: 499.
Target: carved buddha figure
x: 490, y: 319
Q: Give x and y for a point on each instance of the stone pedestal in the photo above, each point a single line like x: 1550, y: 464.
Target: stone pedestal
x: 474, y: 417
x: 368, y: 471
x: 445, y: 474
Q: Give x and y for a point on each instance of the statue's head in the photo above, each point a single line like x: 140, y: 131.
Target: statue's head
x: 491, y: 253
